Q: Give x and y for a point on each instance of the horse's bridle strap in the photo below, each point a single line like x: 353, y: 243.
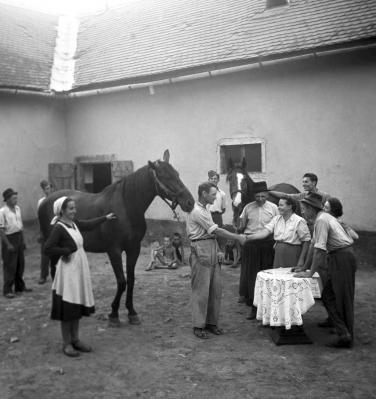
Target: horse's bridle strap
x: 164, y: 191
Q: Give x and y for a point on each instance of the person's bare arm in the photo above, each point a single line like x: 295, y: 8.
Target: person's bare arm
x: 303, y: 255
x: 319, y: 258
x: 278, y: 194
x: 259, y: 235
x: 5, y: 240
x: 230, y: 236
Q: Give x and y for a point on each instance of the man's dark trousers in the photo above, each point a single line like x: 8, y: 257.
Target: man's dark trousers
x: 338, y: 292
x: 14, y: 264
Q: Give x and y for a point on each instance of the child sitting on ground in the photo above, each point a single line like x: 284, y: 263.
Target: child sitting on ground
x: 163, y: 257
x: 177, y: 243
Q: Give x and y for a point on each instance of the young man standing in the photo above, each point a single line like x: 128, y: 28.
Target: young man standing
x: 44, y: 259
x: 309, y: 183
x: 218, y: 207
x: 205, y: 263
x: 332, y: 245
x: 11, y: 229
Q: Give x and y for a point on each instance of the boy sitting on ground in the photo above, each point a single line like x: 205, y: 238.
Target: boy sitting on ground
x: 163, y: 257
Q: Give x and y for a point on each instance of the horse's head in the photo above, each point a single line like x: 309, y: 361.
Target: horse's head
x: 168, y: 184
x: 240, y: 186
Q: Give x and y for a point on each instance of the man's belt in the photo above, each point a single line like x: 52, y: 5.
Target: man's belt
x: 14, y: 234
x: 339, y: 249
x: 203, y: 239
x: 217, y: 212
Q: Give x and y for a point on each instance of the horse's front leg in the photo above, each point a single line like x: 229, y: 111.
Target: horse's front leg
x: 132, y: 256
x: 117, y: 265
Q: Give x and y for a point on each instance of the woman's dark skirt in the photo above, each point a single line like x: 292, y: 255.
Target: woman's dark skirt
x: 65, y: 311
x: 256, y: 256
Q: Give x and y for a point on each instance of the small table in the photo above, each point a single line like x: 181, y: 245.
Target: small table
x: 281, y: 300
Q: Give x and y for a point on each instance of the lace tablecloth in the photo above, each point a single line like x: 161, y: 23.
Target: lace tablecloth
x: 282, y: 299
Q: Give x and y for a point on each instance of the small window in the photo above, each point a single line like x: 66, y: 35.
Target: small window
x: 251, y: 149
x: 275, y: 3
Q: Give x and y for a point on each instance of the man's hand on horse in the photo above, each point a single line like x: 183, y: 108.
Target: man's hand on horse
x: 111, y: 216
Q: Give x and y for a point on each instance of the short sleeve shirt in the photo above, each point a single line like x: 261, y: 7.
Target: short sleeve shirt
x: 258, y: 217
x: 11, y: 220
x: 40, y: 201
x: 328, y: 233
x: 219, y: 203
x: 292, y: 231
x: 200, y: 223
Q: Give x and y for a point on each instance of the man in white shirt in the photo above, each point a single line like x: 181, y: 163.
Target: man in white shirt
x: 206, y: 279
x: 11, y: 230
x: 218, y: 207
x: 257, y: 255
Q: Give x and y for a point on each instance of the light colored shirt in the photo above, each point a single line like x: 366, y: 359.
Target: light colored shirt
x: 200, y: 223
x: 292, y: 231
x: 304, y: 194
x: 219, y: 203
x: 328, y: 233
x: 10, y: 220
x: 40, y: 201
x: 257, y: 217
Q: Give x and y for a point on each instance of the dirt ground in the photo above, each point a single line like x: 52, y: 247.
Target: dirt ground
x: 162, y: 359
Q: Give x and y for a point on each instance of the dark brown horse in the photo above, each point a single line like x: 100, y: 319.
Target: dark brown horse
x: 242, y: 188
x: 128, y: 199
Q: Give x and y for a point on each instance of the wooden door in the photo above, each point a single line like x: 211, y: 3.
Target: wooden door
x: 120, y: 169
x: 62, y: 175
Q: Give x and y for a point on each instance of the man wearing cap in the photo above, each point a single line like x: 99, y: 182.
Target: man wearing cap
x: 205, y: 274
x: 218, y: 207
x: 256, y: 255
x: 332, y: 244
x: 11, y: 229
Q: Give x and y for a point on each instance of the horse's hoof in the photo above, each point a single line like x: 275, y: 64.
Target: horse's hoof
x: 134, y: 320
x: 113, y: 322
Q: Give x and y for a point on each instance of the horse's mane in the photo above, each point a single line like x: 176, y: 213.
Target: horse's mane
x: 134, y: 182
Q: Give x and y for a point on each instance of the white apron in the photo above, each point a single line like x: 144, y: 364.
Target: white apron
x: 72, y: 279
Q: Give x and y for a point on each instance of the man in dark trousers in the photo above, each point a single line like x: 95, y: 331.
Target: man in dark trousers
x: 331, y: 240
x: 11, y: 230
x: 256, y: 255
x: 205, y: 263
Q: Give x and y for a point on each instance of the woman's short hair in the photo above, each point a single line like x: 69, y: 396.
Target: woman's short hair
x: 336, y: 208
x: 291, y: 202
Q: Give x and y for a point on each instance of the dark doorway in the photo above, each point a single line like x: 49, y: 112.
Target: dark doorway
x: 101, y: 176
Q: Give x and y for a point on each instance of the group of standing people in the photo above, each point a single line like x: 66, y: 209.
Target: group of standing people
x: 275, y: 236
x: 270, y: 236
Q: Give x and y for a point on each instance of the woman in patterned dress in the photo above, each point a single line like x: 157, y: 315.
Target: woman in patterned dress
x: 72, y: 294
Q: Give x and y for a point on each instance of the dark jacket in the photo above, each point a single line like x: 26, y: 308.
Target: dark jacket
x: 60, y: 243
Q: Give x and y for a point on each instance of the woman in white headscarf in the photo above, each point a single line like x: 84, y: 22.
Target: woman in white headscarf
x: 72, y: 294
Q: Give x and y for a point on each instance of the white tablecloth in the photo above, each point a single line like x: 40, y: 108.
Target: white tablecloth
x: 282, y: 299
